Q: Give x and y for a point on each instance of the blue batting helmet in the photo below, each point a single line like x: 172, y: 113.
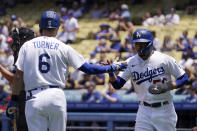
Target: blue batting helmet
x: 144, y: 36
x: 49, y: 19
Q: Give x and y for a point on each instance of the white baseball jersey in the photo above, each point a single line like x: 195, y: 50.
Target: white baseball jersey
x: 158, y: 68
x: 50, y: 58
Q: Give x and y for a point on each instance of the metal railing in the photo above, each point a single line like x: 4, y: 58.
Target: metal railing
x: 109, y: 118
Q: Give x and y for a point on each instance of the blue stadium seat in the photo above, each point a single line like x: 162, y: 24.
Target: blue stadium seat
x: 74, y: 95
x: 131, y: 97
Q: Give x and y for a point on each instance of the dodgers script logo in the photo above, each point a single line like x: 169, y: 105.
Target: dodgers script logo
x: 148, y: 75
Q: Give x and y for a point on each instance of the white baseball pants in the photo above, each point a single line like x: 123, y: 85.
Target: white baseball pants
x: 47, y: 110
x: 162, y: 118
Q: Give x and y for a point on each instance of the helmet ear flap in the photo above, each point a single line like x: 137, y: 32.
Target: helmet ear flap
x: 148, y: 49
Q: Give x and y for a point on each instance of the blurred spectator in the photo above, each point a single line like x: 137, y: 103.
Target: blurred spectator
x: 99, y: 79
x: 159, y: 18
x: 4, y: 97
x: 118, y: 56
x: 83, y: 6
x: 81, y: 83
x: 8, y: 61
x: 185, y: 36
x: 148, y: 20
x: 125, y: 12
x: 106, y: 10
x: 102, y: 58
x: 105, y: 32
x: 191, y: 9
x: 194, y: 68
x: 191, y: 53
x: 172, y: 18
x: 77, y: 13
x: 127, y: 45
x: 131, y: 53
x: 96, y: 12
x: 9, y: 42
x: 101, y: 47
x: 194, y: 41
x: 4, y: 28
x: 3, y: 45
x: 63, y: 14
x: 125, y: 25
x: 156, y: 44
x: 92, y: 59
x: 71, y: 26
x: 109, y: 94
x: 15, y: 22
x: 70, y: 84
x: 167, y: 44
x: 186, y: 60
x: 192, y: 98
x: 180, y: 44
x: 115, y: 15
x: 115, y: 44
x: 186, y: 47
x: 92, y: 95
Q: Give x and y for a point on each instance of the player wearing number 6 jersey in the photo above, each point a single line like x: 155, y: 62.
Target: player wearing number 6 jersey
x: 151, y: 73
x: 42, y: 65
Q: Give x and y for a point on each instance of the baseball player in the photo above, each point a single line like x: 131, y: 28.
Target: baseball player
x: 42, y: 66
x: 151, y: 73
x: 19, y: 36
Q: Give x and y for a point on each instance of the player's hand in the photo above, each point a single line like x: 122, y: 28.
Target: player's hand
x: 160, y: 88
x: 12, y: 109
x: 118, y: 66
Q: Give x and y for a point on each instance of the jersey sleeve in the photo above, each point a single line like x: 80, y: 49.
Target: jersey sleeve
x: 174, y: 68
x: 74, y: 58
x: 76, y: 24
x: 19, y: 63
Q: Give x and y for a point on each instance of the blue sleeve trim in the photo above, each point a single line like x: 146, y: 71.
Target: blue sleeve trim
x: 94, y: 69
x: 182, y: 80
x: 118, y: 83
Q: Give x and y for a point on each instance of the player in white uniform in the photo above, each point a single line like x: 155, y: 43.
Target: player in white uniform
x: 42, y: 65
x: 151, y: 73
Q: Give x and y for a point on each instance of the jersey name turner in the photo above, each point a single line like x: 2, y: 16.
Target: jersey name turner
x: 46, y: 44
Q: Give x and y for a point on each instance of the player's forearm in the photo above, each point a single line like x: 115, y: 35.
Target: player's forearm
x: 17, y: 83
x: 94, y: 69
x: 117, y: 82
x: 8, y: 75
x: 179, y: 82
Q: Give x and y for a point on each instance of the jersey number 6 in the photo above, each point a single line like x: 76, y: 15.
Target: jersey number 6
x: 44, y: 67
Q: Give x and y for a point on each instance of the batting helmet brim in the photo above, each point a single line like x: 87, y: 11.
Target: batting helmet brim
x: 140, y: 40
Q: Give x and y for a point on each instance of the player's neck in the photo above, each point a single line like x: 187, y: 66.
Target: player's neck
x: 147, y: 56
x: 49, y: 33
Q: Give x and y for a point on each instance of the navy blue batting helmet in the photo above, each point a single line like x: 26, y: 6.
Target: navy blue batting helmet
x: 49, y: 19
x: 144, y: 36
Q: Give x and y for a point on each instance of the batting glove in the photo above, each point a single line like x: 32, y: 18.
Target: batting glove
x: 12, y: 108
x: 160, y: 88
x: 118, y: 66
